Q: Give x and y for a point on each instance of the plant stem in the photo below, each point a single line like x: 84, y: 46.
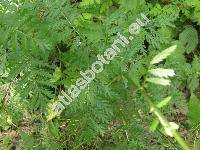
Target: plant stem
x: 165, y: 123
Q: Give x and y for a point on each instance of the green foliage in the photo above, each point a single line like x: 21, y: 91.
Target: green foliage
x: 44, y: 46
x: 194, y: 113
x: 191, y: 42
x: 195, y: 4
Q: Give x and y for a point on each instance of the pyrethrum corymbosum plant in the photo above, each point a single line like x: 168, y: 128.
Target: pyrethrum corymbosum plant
x: 45, y: 44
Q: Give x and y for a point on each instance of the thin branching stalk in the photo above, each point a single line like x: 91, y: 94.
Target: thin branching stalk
x: 165, y: 123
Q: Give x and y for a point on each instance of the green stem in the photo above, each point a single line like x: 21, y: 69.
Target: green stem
x: 165, y: 123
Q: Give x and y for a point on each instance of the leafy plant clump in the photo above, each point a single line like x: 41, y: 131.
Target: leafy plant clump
x: 148, y: 97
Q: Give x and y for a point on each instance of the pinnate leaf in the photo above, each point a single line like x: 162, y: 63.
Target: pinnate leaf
x: 160, y: 72
x: 163, y: 55
x: 159, y: 81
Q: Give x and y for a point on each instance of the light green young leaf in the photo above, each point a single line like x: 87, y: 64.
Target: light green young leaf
x: 51, y: 113
x: 159, y: 81
x: 164, y: 102
x: 87, y: 16
x: 56, y: 75
x: 160, y: 72
x: 154, y: 125
x: 163, y: 55
x: 1, y: 8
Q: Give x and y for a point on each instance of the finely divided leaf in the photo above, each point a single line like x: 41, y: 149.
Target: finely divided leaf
x: 189, y: 38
